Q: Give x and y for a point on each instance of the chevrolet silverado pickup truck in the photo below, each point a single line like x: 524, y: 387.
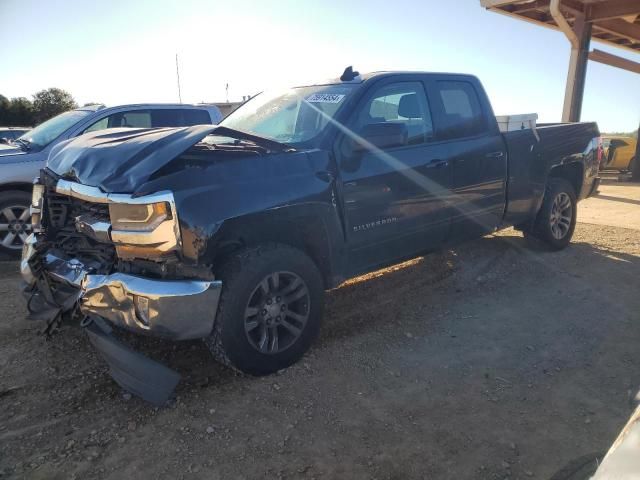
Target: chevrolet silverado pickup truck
x: 232, y: 233
x: 22, y: 159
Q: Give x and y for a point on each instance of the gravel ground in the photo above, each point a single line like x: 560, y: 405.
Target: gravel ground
x: 487, y: 361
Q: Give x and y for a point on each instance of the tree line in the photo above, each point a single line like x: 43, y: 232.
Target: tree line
x: 22, y: 112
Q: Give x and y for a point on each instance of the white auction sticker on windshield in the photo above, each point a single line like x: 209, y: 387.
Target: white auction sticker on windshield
x: 325, y: 98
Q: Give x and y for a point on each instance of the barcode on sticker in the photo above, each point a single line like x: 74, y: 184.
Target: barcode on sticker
x: 325, y: 98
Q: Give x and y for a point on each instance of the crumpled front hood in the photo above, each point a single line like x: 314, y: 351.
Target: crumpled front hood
x: 122, y: 159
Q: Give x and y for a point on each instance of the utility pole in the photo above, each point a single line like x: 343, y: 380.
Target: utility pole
x: 178, y: 76
x: 227, y: 89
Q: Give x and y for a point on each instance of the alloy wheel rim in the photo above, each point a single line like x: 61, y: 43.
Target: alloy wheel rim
x: 561, y: 216
x: 277, y: 312
x: 15, y: 226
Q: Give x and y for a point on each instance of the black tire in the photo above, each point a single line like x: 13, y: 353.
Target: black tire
x: 554, y: 225
x: 15, y: 222
x: 238, y: 337
x: 634, y: 167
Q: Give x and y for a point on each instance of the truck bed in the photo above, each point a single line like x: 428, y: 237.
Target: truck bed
x: 533, y: 153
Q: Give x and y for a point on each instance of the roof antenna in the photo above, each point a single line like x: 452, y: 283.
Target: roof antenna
x: 349, y: 75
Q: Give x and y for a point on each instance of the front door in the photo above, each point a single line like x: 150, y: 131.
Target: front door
x: 395, y: 197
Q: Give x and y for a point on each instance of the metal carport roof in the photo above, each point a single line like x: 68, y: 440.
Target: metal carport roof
x: 613, y: 22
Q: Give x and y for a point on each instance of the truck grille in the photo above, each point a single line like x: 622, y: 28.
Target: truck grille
x: 59, y: 221
x: 63, y: 209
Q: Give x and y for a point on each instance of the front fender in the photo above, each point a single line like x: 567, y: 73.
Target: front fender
x: 284, y: 185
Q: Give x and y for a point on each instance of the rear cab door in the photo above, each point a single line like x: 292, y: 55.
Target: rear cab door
x: 468, y: 139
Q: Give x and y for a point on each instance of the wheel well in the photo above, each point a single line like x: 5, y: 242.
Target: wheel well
x: 572, y: 172
x: 21, y: 187
x: 306, y: 234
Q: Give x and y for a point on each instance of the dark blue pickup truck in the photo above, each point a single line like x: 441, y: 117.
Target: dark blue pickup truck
x: 232, y: 233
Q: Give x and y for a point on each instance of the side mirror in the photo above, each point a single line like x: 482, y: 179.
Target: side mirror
x: 382, y: 135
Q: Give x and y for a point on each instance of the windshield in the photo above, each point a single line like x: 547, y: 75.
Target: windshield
x: 46, y: 132
x: 290, y: 116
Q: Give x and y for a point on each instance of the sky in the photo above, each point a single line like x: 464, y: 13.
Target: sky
x: 124, y: 51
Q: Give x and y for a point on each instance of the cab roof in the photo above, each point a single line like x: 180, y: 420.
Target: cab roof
x: 361, y: 78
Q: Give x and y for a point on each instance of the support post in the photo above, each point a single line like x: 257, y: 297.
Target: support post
x: 576, y: 77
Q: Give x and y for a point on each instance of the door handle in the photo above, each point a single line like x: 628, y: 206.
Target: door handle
x: 437, y: 164
x: 494, y: 155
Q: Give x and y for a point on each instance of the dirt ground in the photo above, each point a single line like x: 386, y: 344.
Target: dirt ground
x: 487, y: 361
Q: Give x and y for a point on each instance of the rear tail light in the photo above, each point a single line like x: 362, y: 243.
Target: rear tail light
x: 600, y: 150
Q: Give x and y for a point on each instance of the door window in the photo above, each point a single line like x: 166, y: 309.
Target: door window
x: 179, y: 117
x: 160, y: 117
x: 166, y: 117
x: 132, y: 119
x: 404, y: 103
x: 462, y: 115
x: 139, y: 119
x: 196, y: 117
x: 99, y: 125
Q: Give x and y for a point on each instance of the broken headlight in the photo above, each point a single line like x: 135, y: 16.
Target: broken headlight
x: 138, y: 218
x: 143, y: 230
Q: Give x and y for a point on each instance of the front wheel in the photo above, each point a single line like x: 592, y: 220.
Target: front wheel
x: 269, y: 311
x: 15, y: 222
x: 556, y: 220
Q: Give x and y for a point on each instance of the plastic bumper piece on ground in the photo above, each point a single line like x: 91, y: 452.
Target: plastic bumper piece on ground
x: 134, y: 372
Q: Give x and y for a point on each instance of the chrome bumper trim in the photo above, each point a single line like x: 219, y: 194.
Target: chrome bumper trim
x: 173, y: 309
x: 81, y: 192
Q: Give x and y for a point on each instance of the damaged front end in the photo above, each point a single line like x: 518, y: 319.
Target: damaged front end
x: 107, y: 260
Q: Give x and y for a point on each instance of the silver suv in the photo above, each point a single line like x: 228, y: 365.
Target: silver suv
x: 21, y: 161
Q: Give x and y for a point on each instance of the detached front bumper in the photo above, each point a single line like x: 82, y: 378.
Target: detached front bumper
x: 172, y: 309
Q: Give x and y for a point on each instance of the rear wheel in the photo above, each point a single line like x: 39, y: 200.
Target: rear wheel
x: 15, y: 222
x: 556, y: 220
x: 269, y: 311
